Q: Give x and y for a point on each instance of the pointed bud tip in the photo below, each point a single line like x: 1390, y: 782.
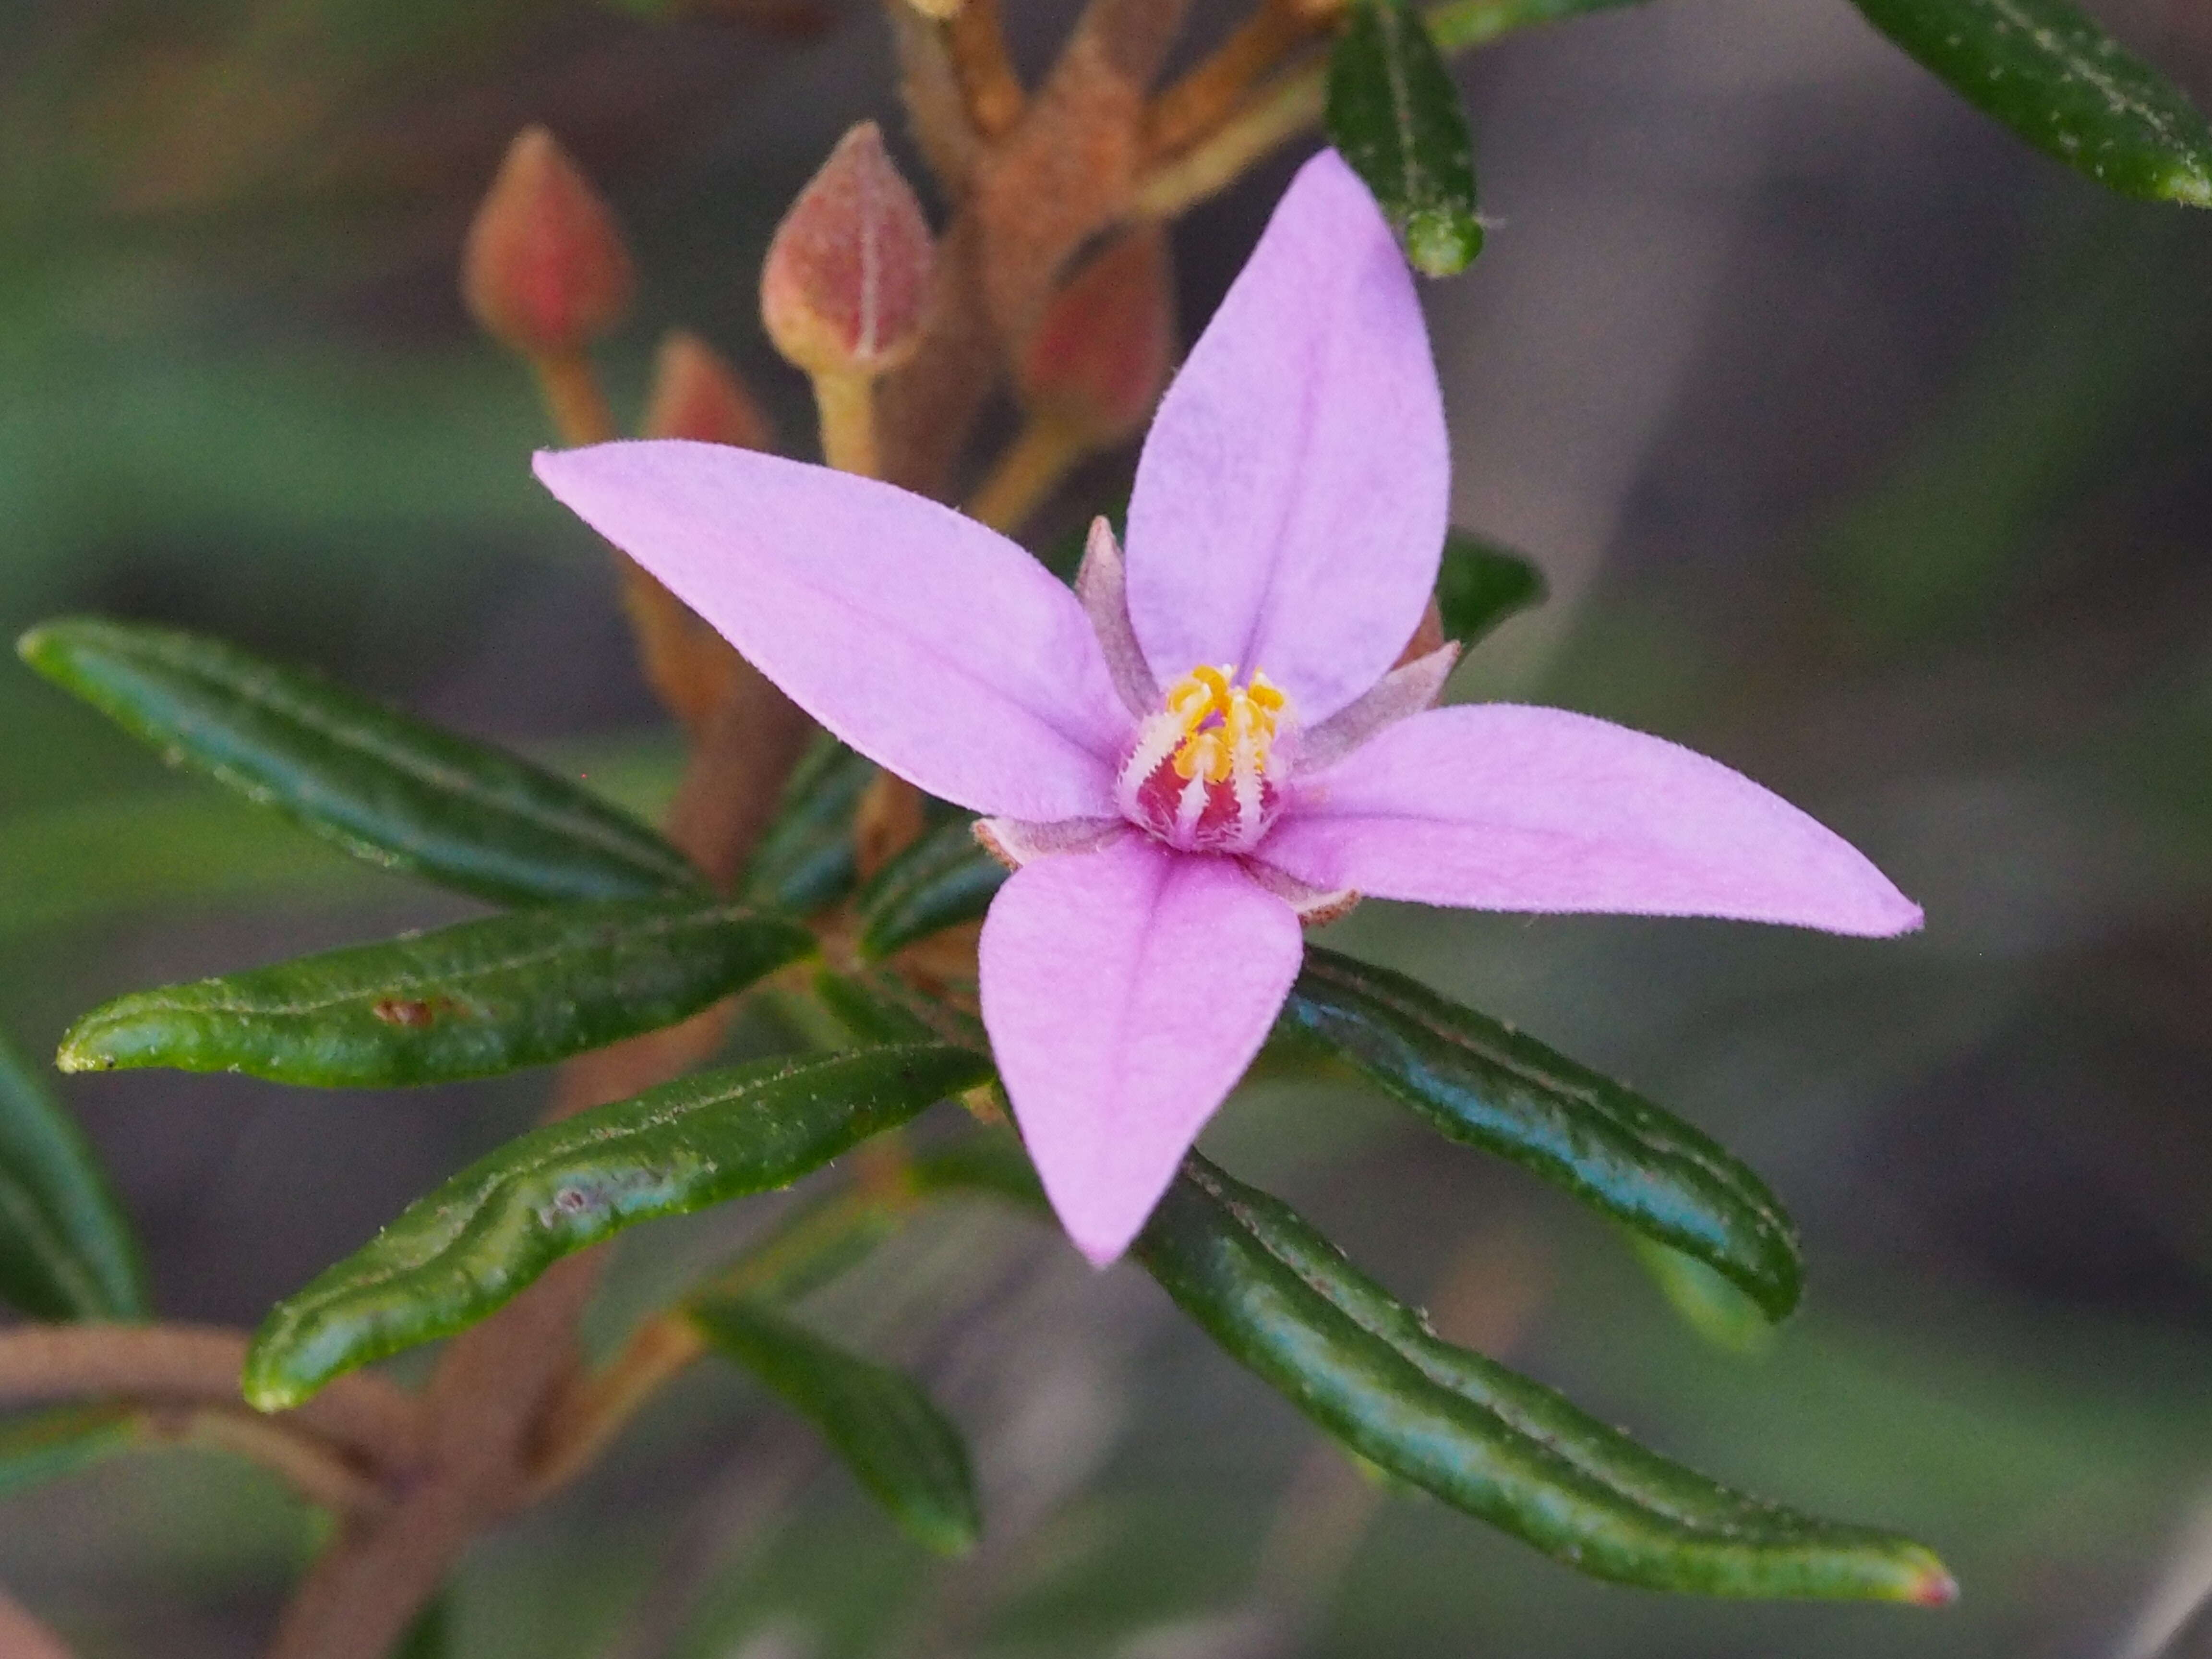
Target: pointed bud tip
x: 696, y: 394
x: 847, y: 279
x: 544, y: 270
x: 1102, y: 351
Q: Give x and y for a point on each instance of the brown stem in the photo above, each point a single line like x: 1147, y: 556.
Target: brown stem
x: 1042, y: 454
x: 1273, y: 115
x: 977, y: 41
x: 361, y: 1418
x: 496, y: 1380
x: 936, y: 104
x: 310, y: 1465
x: 584, y: 1419
x: 573, y: 400
x: 846, y: 403
x: 24, y: 1637
x: 1205, y: 97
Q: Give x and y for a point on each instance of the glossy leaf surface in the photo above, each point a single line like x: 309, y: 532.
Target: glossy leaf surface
x: 2047, y: 71
x: 1483, y: 1084
x: 877, y: 1006
x: 1395, y: 115
x: 475, y: 1000
x: 898, y: 1445
x: 1479, y: 585
x: 387, y: 789
x: 66, y: 1251
x: 943, y: 879
x: 805, y: 859
x: 1283, y: 1300
x: 462, y: 1250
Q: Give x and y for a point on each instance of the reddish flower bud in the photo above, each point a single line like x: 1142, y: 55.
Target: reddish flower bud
x: 847, y: 279
x: 697, y: 395
x: 544, y: 270
x: 1100, y: 353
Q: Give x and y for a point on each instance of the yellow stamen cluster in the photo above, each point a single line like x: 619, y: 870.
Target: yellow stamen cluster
x: 1222, y: 721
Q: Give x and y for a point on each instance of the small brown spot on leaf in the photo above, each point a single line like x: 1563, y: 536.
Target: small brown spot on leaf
x: 407, y: 1012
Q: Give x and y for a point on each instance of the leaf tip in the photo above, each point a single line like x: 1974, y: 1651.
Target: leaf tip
x: 1932, y: 1586
x: 266, y: 1385
x: 1442, y: 241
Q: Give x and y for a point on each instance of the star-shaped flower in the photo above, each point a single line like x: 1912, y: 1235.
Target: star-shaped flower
x: 1198, y: 749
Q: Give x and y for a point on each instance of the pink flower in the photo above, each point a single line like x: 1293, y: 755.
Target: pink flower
x: 1197, y: 749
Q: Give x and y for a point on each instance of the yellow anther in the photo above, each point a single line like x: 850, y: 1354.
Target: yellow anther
x: 1225, y: 725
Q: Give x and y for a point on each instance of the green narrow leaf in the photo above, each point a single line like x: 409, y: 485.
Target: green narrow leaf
x: 836, y: 1232
x: 2046, y: 70
x: 48, y: 1445
x: 475, y: 1000
x: 66, y: 1251
x: 462, y: 1250
x: 1479, y: 585
x: 1709, y: 1304
x: 897, y: 1443
x: 1395, y: 115
x: 944, y: 878
x: 1457, y: 25
x: 877, y: 1006
x: 805, y: 859
x: 389, y: 789
x: 1285, y: 1302
x: 1483, y: 1084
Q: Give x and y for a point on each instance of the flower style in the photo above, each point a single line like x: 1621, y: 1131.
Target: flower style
x: 1207, y: 745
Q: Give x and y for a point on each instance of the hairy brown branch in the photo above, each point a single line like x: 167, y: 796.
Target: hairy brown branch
x: 976, y: 38
x: 1063, y: 172
x: 1205, y: 97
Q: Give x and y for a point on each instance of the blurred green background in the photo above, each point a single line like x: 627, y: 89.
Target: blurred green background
x: 1863, y: 450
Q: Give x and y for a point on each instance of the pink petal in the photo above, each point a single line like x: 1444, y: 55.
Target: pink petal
x: 1290, y: 504
x: 1126, y: 990
x: 935, y: 646
x: 1498, y: 807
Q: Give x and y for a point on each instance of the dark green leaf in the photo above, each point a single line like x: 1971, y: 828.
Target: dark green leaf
x: 882, y: 1426
x: 66, y: 1251
x: 836, y: 1232
x: 471, y: 1000
x: 1709, y: 1304
x: 389, y: 789
x: 1458, y: 24
x: 1395, y: 115
x: 2046, y: 70
x: 1284, y: 1302
x: 47, y: 1445
x: 1479, y: 585
x: 805, y: 859
x: 943, y: 879
x: 1487, y: 1085
x: 462, y: 1250
x: 877, y: 1006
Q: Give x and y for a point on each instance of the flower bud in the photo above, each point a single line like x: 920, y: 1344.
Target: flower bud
x: 544, y: 270
x: 1100, y: 353
x: 847, y: 279
x: 695, y: 394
